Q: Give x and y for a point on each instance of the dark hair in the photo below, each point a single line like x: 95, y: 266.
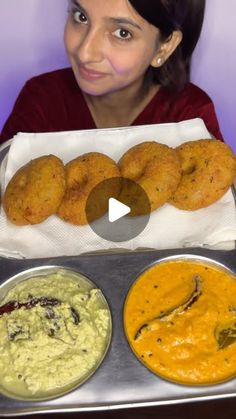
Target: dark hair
x: 169, y: 15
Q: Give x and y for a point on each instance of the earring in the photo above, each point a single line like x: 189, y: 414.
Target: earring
x: 159, y: 61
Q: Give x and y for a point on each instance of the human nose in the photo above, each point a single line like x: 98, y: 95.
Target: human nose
x: 90, y: 48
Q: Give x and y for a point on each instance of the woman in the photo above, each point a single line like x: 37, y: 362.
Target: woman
x: 130, y: 64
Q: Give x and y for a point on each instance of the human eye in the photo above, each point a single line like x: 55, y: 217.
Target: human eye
x: 78, y: 16
x: 122, y: 34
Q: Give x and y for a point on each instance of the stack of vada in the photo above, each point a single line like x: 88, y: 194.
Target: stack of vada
x: 192, y: 176
x: 44, y: 187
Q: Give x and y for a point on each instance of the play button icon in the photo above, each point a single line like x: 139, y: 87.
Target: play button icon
x: 117, y: 210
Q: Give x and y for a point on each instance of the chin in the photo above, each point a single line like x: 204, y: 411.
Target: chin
x: 92, y: 91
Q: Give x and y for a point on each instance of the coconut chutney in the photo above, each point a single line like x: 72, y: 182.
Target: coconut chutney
x: 54, y: 331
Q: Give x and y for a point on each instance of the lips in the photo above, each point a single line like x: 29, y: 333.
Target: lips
x: 89, y: 74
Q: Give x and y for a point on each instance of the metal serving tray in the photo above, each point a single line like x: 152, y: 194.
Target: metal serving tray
x: 121, y: 381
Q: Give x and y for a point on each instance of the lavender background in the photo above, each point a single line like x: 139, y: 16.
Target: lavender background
x: 31, y: 42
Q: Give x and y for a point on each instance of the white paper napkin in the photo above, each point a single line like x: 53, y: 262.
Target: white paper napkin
x: 168, y: 227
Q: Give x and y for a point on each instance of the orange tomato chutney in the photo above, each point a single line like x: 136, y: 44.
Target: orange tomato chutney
x: 180, y: 321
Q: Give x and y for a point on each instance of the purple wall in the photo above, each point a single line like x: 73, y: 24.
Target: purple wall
x: 214, y: 63
x: 31, y: 42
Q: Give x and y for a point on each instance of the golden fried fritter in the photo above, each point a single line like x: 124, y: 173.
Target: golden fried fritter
x: 153, y: 166
x: 209, y: 167
x: 82, y: 175
x: 35, y: 191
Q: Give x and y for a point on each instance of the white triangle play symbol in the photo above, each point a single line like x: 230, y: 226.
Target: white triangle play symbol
x: 117, y: 210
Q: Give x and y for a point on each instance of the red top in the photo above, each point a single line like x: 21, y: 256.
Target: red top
x: 54, y: 102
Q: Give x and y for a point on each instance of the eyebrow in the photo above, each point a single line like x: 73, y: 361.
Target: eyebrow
x: 116, y: 20
x: 76, y: 3
x: 125, y: 21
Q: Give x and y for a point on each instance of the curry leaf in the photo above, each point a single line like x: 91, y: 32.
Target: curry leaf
x: 226, y: 337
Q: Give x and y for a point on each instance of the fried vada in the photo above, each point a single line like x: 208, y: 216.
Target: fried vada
x: 155, y: 168
x: 209, y: 168
x: 83, y: 174
x: 35, y: 191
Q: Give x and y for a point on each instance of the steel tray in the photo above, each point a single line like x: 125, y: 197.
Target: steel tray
x: 121, y: 381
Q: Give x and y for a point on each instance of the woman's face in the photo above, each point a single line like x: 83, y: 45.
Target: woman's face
x: 110, y: 46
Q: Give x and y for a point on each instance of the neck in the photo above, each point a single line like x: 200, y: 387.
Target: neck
x: 122, y: 107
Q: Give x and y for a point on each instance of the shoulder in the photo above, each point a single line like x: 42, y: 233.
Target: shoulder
x: 189, y: 103
x: 61, y: 78
x: 57, y: 88
x: 192, y: 95
x: 191, y: 90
